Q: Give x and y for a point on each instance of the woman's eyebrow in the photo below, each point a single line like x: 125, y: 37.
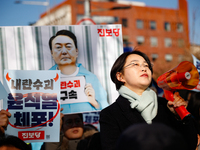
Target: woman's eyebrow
x: 134, y: 60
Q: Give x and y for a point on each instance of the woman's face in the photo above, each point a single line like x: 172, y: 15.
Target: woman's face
x: 136, y: 73
x: 73, y: 126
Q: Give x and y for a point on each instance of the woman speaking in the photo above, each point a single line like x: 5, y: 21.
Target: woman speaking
x: 137, y: 103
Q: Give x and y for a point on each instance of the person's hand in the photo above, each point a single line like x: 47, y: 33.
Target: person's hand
x: 178, y: 101
x: 198, y: 141
x: 4, y: 120
x: 61, y: 116
x: 90, y: 93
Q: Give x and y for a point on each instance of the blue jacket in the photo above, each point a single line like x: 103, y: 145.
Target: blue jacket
x: 100, y: 93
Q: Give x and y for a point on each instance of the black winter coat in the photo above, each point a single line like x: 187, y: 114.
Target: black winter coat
x: 117, y: 117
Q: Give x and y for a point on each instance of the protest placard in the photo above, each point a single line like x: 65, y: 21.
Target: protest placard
x: 72, y: 90
x: 34, y: 102
x: 196, y: 63
x: 27, y: 48
x: 3, y: 94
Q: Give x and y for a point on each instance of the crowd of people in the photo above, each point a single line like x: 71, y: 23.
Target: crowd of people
x: 139, y: 119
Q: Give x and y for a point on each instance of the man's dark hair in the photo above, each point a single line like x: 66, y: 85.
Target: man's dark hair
x: 120, y: 62
x: 65, y: 33
x: 154, y: 136
x: 13, y: 141
x: 88, y: 127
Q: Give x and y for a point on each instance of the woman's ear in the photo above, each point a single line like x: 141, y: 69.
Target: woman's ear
x: 119, y: 76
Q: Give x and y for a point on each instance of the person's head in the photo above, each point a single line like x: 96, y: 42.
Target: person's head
x: 194, y: 106
x: 88, y: 127
x: 13, y: 143
x: 150, y: 137
x: 73, y: 126
x: 89, y: 130
x: 63, y: 47
x: 132, y: 69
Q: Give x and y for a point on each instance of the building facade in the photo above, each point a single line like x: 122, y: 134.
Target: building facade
x: 161, y: 33
x: 195, y: 50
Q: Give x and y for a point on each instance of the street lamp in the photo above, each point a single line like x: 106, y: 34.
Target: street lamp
x: 33, y: 3
x: 47, y: 4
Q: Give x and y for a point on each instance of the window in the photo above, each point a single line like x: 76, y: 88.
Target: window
x: 168, y: 42
x: 168, y: 57
x: 167, y: 26
x: 180, y: 58
x: 140, y: 40
x: 140, y: 24
x: 152, y: 25
x: 124, y: 22
x: 154, y: 41
x: 154, y: 56
x: 179, y: 27
x: 79, y: 2
x: 180, y: 42
x: 127, y: 44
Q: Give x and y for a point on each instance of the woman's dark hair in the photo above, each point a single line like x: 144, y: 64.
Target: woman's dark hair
x: 120, y: 62
x: 65, y: 33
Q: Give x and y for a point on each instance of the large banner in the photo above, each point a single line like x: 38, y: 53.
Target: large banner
x: 27, y: 48
x: 84, y: 55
